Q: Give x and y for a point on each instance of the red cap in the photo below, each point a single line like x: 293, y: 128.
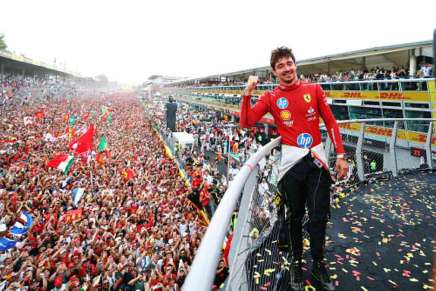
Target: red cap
x: 58, y: 281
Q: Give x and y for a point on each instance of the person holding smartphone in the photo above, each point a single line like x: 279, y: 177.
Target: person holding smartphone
x: 304, y: 177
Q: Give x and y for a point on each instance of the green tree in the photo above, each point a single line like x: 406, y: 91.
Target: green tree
x: 3, y: 45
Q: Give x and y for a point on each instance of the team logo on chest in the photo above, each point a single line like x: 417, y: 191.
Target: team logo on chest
x: 311, y: 114
x: 282, y: 103
x: 285, y: 115
x: 307, y: 98
x: 305, y: 140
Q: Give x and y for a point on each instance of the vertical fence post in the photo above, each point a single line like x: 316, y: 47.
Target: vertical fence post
x: 359, y: 158
x: 428, y: 145
x: 392, y: 150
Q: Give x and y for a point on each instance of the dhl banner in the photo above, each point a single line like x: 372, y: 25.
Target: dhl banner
x: 408, y: 135
x: 384, y: 95
x: 421, y: 96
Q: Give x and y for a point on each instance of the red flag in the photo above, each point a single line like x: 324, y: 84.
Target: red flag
x: 85, y: 142
x: 128, y: 174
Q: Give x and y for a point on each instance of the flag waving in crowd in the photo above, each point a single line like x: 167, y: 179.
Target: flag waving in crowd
x: 102, y: 146
x: 85, y: 142
x: 128, y: 174
x: 62, y: 162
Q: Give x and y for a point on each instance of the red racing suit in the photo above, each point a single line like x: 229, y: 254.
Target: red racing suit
x: 296, y: 110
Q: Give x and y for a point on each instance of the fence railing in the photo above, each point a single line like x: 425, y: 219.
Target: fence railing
x: 373, y: 152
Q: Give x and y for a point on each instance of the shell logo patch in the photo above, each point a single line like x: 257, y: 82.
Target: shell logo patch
x: 285, y: 115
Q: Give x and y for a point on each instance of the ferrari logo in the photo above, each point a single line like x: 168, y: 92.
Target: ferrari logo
x: 307, y: 98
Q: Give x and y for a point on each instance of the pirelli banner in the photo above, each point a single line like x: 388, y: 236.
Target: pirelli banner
x: 411, y: 136
x: 380, y: 95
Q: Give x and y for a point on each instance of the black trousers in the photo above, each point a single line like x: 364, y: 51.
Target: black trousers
x: 307, y: 184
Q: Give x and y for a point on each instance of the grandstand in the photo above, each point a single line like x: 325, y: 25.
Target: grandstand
x: 19, y: 64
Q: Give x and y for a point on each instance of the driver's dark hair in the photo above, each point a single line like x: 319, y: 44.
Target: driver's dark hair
x: 279, y: 53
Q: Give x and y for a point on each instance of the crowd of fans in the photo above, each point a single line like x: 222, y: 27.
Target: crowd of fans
x: 376, y: 73
x: 18, y: 89
x: 133, y: 228
x: 216, y: 154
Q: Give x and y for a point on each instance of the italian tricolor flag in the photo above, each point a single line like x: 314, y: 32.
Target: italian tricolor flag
x: 61, y: 162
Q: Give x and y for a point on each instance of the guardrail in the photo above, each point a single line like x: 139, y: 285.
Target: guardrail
x: 403, y: 84
x: 257, y: 214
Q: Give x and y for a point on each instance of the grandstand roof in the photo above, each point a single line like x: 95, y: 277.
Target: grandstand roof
x: 162, y: 79
x: 28, y: 62
x: 391, y: 54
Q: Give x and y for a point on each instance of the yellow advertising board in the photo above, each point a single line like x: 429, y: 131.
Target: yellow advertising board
x: 417, y: 96
x: 380, y: 95
x: 432, y: 91
x: 411, y: 136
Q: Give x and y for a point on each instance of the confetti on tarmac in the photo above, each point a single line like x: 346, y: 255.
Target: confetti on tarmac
x: 380, y: 237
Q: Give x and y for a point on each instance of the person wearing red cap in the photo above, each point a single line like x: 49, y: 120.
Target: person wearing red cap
x: 58, y: 282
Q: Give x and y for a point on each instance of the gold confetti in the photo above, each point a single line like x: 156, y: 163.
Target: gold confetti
x: 268, y: 272
x: 342, y: 236
x: 256, y: 276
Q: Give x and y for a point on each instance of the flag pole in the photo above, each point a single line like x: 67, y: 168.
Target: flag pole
x: 228, y: 156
